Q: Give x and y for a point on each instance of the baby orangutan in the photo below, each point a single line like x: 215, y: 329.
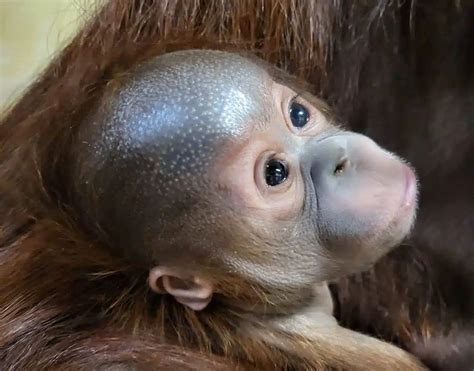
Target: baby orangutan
x: 242, y: 200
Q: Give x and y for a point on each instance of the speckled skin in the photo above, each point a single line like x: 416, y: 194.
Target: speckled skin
x: 160, y: 133
x: 177, y: 134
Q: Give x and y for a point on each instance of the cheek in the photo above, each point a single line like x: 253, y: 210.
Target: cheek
x: 287, y: 205
x: 270, y: 205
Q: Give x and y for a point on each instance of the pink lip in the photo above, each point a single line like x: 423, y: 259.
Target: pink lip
x: 409, y: 198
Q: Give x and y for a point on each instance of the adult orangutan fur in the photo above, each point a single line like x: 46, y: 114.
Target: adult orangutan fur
x: 149, y: 175
x: 399, y: 71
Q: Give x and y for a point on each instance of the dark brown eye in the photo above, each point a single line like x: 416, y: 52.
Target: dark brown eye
x: 299, y: 115
x: 276, y: 172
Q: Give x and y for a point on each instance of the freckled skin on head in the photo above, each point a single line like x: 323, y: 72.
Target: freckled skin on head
x: 176, y: 163
x: 168, y: 124
x: 181, y: 107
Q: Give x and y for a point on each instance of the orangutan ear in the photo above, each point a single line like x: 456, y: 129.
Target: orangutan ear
x: 192, y: 291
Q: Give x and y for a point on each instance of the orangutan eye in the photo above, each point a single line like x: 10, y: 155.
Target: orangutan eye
x: 299, y: 115
x: 276, y: 172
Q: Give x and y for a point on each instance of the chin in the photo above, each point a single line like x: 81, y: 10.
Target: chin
x: 399, y: 229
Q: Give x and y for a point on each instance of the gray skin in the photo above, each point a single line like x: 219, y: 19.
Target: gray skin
x: 153, y: 172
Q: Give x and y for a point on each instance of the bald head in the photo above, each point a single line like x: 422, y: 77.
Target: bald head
x: 175, y: 111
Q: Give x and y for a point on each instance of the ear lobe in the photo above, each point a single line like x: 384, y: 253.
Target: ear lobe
x: 194, y: 292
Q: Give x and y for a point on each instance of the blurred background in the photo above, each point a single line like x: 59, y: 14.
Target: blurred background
x: 31, y: 32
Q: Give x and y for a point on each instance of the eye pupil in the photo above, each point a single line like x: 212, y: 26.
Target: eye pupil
x: 299, y: 115
x: 276, y: 172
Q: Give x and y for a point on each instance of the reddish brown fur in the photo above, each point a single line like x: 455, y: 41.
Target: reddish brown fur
x: 67, y: 302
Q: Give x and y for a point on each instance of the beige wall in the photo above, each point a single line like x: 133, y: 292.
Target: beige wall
x: 31, y: 31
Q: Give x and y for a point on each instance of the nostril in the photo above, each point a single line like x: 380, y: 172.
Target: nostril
x: 342, y: 165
